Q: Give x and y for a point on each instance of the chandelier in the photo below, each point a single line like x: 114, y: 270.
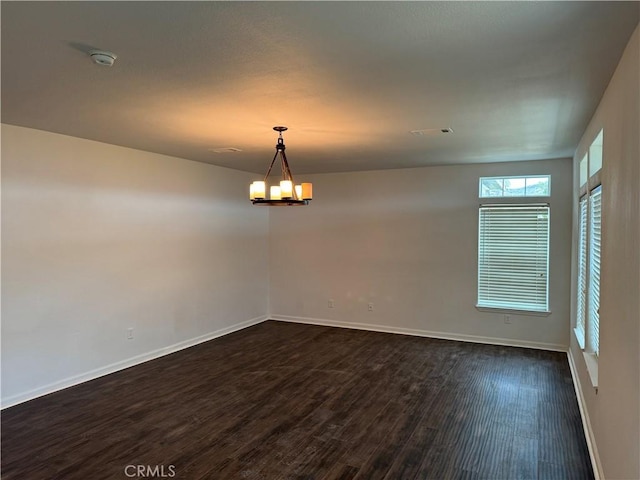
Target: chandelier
x: 287, y: 192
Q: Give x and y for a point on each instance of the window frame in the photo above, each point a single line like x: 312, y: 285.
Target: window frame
x: 589, y: 182
x: 514, y: 177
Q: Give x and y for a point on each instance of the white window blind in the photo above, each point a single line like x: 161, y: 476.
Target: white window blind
x: 582, y: 273
x: 595, y: 215
x: 513, y: 257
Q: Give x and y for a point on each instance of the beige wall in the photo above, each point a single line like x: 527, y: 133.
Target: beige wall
x: 97, y: 239
x: 406, y: 241
x: 614, y: 411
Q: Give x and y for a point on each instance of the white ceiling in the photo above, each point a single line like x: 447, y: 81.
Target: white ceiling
x: 515, y: 80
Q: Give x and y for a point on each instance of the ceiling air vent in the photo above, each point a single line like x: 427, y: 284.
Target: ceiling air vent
x: 431, y: 131
x: 225, y: 150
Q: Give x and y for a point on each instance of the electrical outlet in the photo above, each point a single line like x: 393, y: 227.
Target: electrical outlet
x: 331, y: 304
x: 129, y: 333
x: 507, y: 319
x: 370, y: 307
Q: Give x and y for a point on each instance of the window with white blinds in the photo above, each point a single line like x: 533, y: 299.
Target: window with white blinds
x: 513, y: 257
x: 582, y: 272
x: 595, y: 231
x: 587, y: 287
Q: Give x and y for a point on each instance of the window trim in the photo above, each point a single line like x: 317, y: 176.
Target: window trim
x: 514, y: 311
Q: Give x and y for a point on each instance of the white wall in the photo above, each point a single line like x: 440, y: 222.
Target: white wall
x: 614, y: 411
x: 98, y: 238
x: 406, y: 240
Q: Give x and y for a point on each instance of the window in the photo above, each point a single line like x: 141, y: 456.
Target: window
x: 587, y: 322
x: 595, y: 155
x: 534, y: 186
x: 587, y: 327
x: 513, y: 257
x: 595, y: 207
x: 582, y: 272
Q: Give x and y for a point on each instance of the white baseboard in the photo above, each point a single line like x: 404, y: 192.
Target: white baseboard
x: 586, y: 423
x: 422, y: 333
x: 130, y: 362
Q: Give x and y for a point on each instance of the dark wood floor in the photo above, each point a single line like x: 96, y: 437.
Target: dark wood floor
x: 289, y: 401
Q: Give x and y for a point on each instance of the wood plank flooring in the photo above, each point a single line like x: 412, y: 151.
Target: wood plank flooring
x: 289, y: 401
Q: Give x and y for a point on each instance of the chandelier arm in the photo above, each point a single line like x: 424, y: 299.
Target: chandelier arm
x: 283, y: 166
x: 270, y: 167
x: 289, y: 175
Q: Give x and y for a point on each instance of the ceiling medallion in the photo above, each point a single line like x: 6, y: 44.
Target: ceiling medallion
x: 285, y: 194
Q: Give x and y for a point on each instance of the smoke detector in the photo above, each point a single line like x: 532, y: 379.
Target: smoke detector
x: 102, y: 57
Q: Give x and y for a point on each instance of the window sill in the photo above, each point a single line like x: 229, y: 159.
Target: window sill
x: 531, y: 313
x: 592, y: 367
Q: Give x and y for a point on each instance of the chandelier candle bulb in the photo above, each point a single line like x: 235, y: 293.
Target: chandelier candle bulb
x: 298, y: 192
x: 286, y: 189
x: 275, y: 193
x: 307, y: 191
x: 259, y: 190
x: 252, y: 191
